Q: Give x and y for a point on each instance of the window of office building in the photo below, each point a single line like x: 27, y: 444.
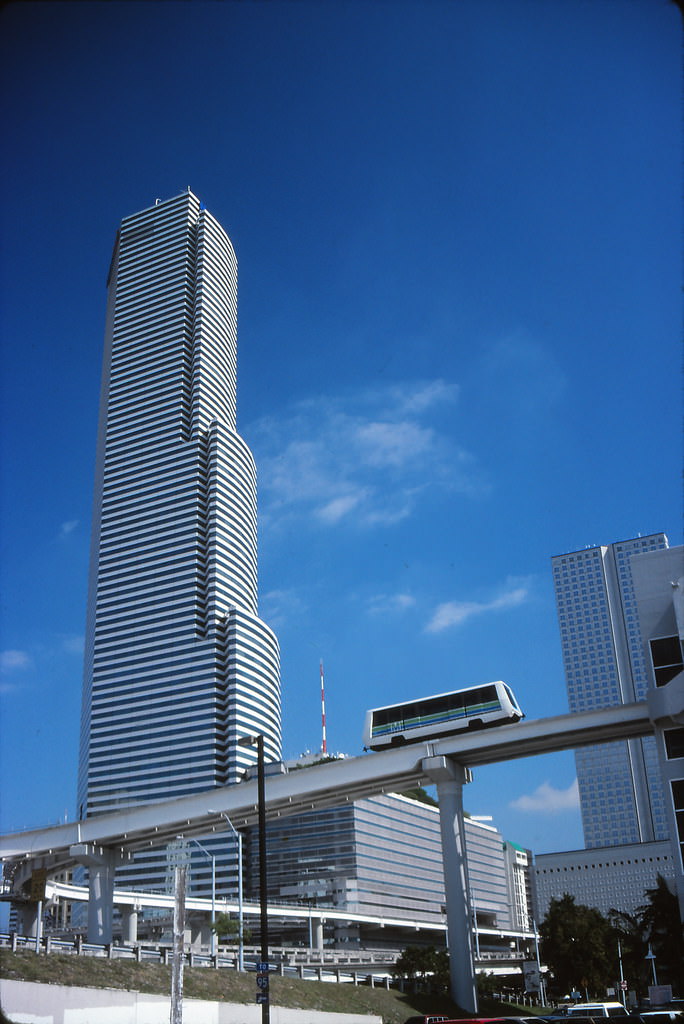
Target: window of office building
x: 677, y: 787
x: 674, y: 743
x: 666, y: 655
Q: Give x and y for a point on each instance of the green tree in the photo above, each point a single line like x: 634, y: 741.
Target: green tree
x: 424, y: 963
x: 487, y: 984
x: 421, y: 795
x: 577, y: 943
x: 662, y: 928
x: 227, y: 929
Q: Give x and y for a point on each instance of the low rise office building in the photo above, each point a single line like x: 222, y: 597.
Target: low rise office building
x: 606, y: 878
x: 380, y: 857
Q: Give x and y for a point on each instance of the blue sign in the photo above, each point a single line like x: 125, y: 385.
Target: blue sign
x: 263, y: 967
x: 262, y: 997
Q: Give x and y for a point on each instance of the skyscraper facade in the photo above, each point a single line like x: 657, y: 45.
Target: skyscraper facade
x: 178, y: 665
x: 620, y: 789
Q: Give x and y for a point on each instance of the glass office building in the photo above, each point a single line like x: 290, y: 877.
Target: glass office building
x: 178, y: 664
x: 381, y: 857
x: 620, y: 788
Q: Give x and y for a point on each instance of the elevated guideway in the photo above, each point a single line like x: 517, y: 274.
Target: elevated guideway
x: 329, y: 784
x: 165, y: 901
x: 105, y: 840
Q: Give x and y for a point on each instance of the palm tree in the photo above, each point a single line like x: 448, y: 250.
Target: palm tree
x: 662, y: 927
x: 629, y: 933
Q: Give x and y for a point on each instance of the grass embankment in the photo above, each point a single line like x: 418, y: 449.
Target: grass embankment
x: 232, y: 987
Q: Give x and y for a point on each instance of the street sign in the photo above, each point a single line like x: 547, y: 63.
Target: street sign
x: 623, y: 986
x: 262, y: 997
x: 262, y: 981
x: 263, y: 966
x: 531, y: 976
x: 659, y: 995
x: 38, y: 880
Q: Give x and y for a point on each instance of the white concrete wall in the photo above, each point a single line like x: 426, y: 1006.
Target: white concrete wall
x: 26, y: 1002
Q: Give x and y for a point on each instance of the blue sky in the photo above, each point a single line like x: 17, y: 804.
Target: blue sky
x: 458, y: 227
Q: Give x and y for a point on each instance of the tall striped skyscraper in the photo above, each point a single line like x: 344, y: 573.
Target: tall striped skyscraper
x: 620, y: 788
x: 178, y: 665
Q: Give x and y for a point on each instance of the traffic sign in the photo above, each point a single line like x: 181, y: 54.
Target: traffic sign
x: 263, y: 966
x: 262, y: 997
x: 623, y: 986
x: 262, y: 982
x: 38, y: 880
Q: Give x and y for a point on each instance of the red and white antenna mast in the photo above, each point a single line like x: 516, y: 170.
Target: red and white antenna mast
x: 324, y: 747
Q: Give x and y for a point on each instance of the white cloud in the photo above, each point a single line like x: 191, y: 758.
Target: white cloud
x: 426, y: 394
x: 68, y: 527
x: 277, y: 607
x: 392, y: 444
x: 338, y: 508
x: 546, y: 799
x: 455, y: 613
x: 393, y: 509
x: 364, y: 458
x: 12, y: 661
x: 73, y: 643
x: 384, y: 604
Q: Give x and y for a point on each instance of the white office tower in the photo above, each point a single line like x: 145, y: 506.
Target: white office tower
x: 178, y: 665
x: 620, y: 788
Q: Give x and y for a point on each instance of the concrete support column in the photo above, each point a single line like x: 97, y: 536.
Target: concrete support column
x: 29, y: 917
x: 129, y: 920
x: 449, y: 777
x: 101, y: 862
x: 318, y: 932
x: 194, y: 935
x: 205, y: 933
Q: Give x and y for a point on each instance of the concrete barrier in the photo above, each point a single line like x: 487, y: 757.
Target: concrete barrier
x: 27, y: 1002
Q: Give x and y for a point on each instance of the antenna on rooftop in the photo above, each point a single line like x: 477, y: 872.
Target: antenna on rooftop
x: 324, y: 747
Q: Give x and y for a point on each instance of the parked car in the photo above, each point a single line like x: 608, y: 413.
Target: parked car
x: 430, y: 1019
x: 576, y: 1019
x: 659, y: 1016
x: 488, y: 1020
x: 596, y: 1010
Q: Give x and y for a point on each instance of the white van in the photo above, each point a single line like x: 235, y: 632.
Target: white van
x: 597, y: 1010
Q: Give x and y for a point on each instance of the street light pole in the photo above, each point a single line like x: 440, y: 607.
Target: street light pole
x: 241, y: 940
x: 622, y: 977
x: 212, y: 858
x: 652, y: 957
x: 542, y: 989
x: 262, y: 996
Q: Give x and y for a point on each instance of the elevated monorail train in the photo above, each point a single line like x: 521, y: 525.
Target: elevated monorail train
x: 475, y: 707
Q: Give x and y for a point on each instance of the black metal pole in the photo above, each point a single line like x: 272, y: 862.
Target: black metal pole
x: 263, y: 878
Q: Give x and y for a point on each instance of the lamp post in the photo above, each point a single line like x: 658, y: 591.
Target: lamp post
x: 262, y: 972
x: 542, y: 989
x: 238, y: 837
x: 473, y: 906
x: 212, y: 858
x: 622, y: 977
